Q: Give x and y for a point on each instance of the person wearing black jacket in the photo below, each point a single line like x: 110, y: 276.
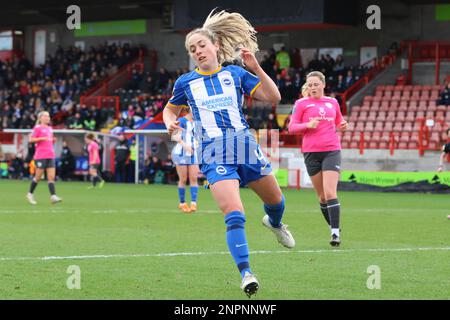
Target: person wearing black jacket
x: 67, y: 162
x: 122, y: 152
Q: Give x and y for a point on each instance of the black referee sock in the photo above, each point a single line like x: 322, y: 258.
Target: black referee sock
x: 334, y: 210
x: 51, y: 187
x: 326, y: 215
x: 33, y: 186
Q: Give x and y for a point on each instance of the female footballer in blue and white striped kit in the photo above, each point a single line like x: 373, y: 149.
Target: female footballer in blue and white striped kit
x: 185, y: 158
x: 228, y: 154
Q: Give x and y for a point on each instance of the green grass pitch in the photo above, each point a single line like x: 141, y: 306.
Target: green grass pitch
x: 131, y: 242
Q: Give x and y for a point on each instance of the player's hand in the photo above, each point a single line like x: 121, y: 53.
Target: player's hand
x: 249, y: 59
x: 312, y: 124
x: 188, y: 149
x: 174, y: 126
x: 343, y: 126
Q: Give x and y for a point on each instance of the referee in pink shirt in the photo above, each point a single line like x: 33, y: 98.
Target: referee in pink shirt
x: 44, y: 156
x: 318, y: 117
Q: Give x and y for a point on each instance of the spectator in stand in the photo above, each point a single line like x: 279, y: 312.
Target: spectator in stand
x: 122, y: 152
x: 289, y: 89
x: 75, y: 122
x: 58, y: 82
x: 349, y: 79
x: 162, y: 79
x: 169, y: 169
x: 314, y: 64
x: 339, y: 64
x: 89, y: 123
x: 283, y: 60
x: 148, y: 85
x: 15, y: 168
x: 328, y: 63
x: 445, y: 96
x: 152, y: 166
x: 339, y: 86
x: 296, y: 58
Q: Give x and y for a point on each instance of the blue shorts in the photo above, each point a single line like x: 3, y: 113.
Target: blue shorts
x: 234, y: 156
x: 245, y: 173
x: 183, y: 160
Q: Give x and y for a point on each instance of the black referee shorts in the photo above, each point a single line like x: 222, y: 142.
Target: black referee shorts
x: 322, y: 161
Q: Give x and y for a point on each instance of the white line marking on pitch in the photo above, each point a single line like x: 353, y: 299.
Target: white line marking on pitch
x: 178, y: 254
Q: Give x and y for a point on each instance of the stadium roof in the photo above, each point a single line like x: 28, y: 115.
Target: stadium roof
x: 19, y: 13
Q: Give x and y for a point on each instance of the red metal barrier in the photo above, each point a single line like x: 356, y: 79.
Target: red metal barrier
x: 361, y: 142
x: 420, y: 51
x: 379, y: 65
x: 391, y: 144
x: 6, y: 138
x: 116, y: 80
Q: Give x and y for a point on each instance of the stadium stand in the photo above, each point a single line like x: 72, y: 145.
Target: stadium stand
x: 396, y: 115
x: 57, y: 85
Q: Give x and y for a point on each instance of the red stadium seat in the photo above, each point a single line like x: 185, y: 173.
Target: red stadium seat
x: 354, y: 145
x: 355, y: 108
x: 369, y: 126
x: 410, y: 116
x: 412, y: 145
x: 442, y: 108
x: 383, y: 145
x: 372, y: 116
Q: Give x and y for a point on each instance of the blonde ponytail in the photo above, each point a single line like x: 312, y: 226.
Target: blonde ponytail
x: 231, y: 31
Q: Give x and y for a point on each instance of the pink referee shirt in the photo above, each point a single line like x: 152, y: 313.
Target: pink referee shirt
x: 323, y: 137
x: 94, y: 157
x: 44, y: 149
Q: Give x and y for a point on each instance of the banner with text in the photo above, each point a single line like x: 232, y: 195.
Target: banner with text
x: 389, y: 179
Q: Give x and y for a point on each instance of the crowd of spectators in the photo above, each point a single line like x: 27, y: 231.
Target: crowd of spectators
x: 288, y: 72
x: 56, y: 85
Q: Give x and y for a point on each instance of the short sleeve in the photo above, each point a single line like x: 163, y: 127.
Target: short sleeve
x: 36, y: 132
x: 178, y: 98
x: 249, y: 82
x: 339, y: 117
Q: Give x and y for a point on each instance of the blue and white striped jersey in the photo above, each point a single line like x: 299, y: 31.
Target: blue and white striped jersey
x: 216, y: 98
x: 187, y: 135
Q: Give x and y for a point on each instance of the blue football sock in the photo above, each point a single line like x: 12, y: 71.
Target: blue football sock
x: 275, y: 213
x: 194, y: 192
x: 236, y: 240
x: 181, y: 194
